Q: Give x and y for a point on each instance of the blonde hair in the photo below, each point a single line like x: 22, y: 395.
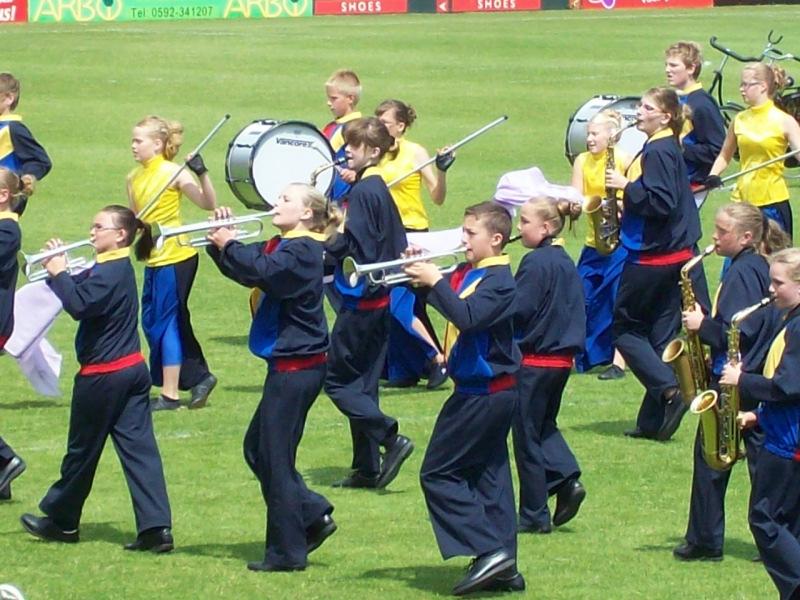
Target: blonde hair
x: 18, y: 188
x: 791, y: 258
x: 774, y: 77
x: 10, y: 85
x: 608, y: 117
x: 325, y: 216
x: 345, y: 82
x: 768, y: 237
x: 555, y: 211
x: 690, y: 55
x: 169, y: 132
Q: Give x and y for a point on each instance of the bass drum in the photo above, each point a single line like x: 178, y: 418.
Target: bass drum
x: 789, y: 102
x: 631, y: 140
x: 266, y: 156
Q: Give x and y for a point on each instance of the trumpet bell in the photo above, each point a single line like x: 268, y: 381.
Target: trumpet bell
x: 350, y: 271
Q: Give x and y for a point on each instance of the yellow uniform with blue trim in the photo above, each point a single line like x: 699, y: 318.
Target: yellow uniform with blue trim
x: 760, y: 137
x: 146, y: 180
x: 407, y: 194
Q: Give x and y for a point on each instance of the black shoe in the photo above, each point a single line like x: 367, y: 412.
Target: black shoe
x: 357, y: 480
x: 509, y: 580
x: 535, y: 529
x: 13, y: 469
x: 158, y: 540
x: 393, y: 459
x: 639, y: 434
x: 437, y: 376
x: 164, y: 403
x: 319, y: 531
x: 201, y: 391
x: 265, y: 566
x: 483, y: 570
x: 44, y: 528
x: 674, y: 409
x: 612, y: 372
x: 687, y: 551
x: 401, y: 383
x: 5, y: 493
x: 568, y: 501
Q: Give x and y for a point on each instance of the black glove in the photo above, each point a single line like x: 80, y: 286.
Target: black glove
x: 443, y: 161
x: 712, y: 182
x: 197, y: 166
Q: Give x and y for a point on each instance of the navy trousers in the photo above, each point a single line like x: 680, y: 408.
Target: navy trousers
x: 358, y: 351
x: 118, y: 405
x: 270, y: 450
x: 647, y: 316
x: 466, y: 477
x: 775, y: 520
x: 707, y: 505
x: 544, y: 459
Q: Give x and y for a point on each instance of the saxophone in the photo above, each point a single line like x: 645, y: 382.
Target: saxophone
x: 603, y: 211
x: 685, y: 354
x: 720, y: 437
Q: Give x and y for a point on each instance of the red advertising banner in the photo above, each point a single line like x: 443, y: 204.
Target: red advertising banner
x: 493, y: 5
x: 360, y: 7
x: 610, y: 4
x: 13, y: 11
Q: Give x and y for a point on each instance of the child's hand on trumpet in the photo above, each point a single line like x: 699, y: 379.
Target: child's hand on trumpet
x: 219, y: 236
x: 422, y: 272
x: 58, y: 263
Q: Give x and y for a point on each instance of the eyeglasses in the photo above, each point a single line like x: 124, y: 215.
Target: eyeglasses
x: 648, y: 108
x: 747, y: 84
x: 97, y: 227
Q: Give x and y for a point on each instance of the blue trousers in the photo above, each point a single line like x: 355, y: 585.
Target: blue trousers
x: 544, y: 459
x: 116, y: 405
x: 270, y: 450
x: 466, y: 477
x: 358, y: 351
x: 775, y: 520
x: 706, y: 526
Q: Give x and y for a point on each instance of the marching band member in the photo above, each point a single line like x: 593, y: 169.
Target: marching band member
x: 660, y: 229
x: 759, y: 133
x: 372, y: 233
x: 775, y: 498
x: 703, y: 129
x: 742, y: 234
x: 466, y: 477
x: 176, y: 359
x: 550, y: 328
x: 19, y: 150
x: 12, y: 189
x: 343, y: 91
x: 599, y: 273
x: 412, y: 340
x: 111, y: 392
x: 290, y: 332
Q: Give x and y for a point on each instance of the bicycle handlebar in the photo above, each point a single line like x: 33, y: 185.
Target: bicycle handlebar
x: 731, y: 53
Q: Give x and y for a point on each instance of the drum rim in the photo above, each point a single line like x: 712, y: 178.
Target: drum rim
x: 613, y: 99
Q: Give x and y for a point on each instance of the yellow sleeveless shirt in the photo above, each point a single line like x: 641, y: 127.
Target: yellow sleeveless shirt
x: 407, y: 194
x: 145, y: 181
x: 594, y: 180
x: 759, y: 136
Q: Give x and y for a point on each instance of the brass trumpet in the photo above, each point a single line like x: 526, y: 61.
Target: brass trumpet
x: 255, y: 226
x: 390, y: 272
x: 31, y: 264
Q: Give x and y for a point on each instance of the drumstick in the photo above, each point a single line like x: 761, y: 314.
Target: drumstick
x: 458, y: 144
x: 150, y: 203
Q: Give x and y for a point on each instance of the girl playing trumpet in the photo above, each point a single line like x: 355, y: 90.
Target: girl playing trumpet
x: 176, y: 359
x: 290, y: 333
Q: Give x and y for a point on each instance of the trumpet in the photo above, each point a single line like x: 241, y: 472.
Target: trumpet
x: 390, y: 272
x: 254, y: 228
x: 31, y: 264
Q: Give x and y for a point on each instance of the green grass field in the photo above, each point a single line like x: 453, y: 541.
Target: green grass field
x: 84, y: 86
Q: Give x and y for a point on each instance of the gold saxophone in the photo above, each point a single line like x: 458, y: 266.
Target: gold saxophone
x: 685, y: 354
x: 720, y: 437
x: 603, y: 211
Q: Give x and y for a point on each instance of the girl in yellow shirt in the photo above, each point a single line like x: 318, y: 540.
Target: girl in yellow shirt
x: 176, y: 359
